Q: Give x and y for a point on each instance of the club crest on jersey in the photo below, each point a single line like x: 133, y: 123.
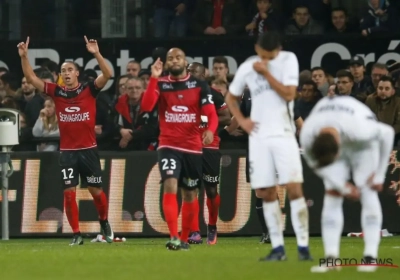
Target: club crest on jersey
x: 190, y: 84
x: 167, y: 86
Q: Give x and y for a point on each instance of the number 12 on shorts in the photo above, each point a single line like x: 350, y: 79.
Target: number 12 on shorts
x: 68, y: 173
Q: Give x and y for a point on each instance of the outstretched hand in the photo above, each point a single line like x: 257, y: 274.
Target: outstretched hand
x: 91, y: 45
x: 23, y: 48
x: 157, y: 68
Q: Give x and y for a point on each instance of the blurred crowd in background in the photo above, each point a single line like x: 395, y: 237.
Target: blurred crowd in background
x: 118, y: 108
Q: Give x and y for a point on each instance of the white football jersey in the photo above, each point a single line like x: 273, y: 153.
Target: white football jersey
x: 354, y: 121
x: 269, y: 109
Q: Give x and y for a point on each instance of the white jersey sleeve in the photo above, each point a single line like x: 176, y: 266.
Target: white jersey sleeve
x: 238, y: 84
x: 291, y: 73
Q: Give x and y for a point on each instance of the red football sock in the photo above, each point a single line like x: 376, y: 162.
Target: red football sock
x: 188, y: 212
x: 195, y: 220
x: 170, y: 208
x: 213, y: 208
x: 71, y: 210
x: 100, y: 201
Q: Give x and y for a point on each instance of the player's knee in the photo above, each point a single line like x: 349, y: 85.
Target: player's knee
x: 267, y: 194
x: 294, y: 191
x: 170, y: 185
x: 211, y: 190
x: 70, y: 189
x: 189, y: 195
x: 95, y: 190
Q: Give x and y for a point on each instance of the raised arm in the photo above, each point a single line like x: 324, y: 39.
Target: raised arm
x: 150, y: 96
x: 27, y: 68
x: 106, y: 72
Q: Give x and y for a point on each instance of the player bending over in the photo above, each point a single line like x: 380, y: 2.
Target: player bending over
x: 211, y: 164
x: 272, y: 78
x: 76, y: 113
x: 339, y: 137
x: 182, y: 99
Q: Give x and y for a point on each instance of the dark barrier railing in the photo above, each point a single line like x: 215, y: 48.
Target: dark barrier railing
x: 132, y: 183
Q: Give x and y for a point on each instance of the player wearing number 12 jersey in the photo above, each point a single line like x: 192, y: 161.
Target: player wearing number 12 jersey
x: 182, y: 99
x: 211, y: 164
x: 76, y: 113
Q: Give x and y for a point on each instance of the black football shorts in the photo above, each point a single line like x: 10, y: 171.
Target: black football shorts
x: 211, y: 166
x: 83, y: 163
x: 185, y: 167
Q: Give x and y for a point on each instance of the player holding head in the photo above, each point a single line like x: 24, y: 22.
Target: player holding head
x: 211, y: 163
x: 341, y: 135
x: 182, y: 99
x: 76, y: 111
x: 272, y: 78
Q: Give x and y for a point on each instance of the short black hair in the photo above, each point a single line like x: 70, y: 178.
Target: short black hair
x: 11, y: 80
x: 200, y: 66
x: 319, y: 69
x: 345, y: 74
x: 4, y: 69
x: 324, y: 149
x: 387, y: 79
x: 44, y: 74
x: 310, y: 83
x: 269, y: 41
x: 340, y: 9
x: 76, y: 65
x: 221, y: 59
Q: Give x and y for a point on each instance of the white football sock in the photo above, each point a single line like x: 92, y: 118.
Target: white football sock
x: 299, y: 216
x: 332, y: 221
x: 273, y: 218
x: 371, y: 221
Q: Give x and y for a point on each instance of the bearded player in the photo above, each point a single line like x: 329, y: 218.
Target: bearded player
x: 76, y: 113
x: 211, y: 164
x: 182, y: 100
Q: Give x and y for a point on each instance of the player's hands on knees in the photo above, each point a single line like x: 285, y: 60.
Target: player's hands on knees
x: 249, y: 126
x: 157, y: 68
x: 352, y: 192
x: 23, y: 48
x: 208, y: 137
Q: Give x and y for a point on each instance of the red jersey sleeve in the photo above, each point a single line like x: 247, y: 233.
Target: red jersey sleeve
x: 150, y: 96
x: 50, y: 88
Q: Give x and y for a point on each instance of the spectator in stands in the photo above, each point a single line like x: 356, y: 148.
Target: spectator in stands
x: 340, y: 22
x: 377, y: 72
x: 89, y: 75
x: 309, y: 96
x: 357, y: 69
x: 3, y: 70
x: 302, y: 23
x: 265, y: 19
x: 9, y: 102
x: 220, y: 68
x: 345, y: 83
x: 380, y: 18
x: 138, y: 131
x: 221, y: 85
x: 9, y: 83
x: 320, y: 77
x: 385, y: 104
x: 145, y: 76
x: 53, y: 68
x: 33, y: 102
x: 170, y: 13
x: 25, y: 138
x: 218, y: 17
x: 47, y: 126
x: 319, y: 9
x: 354, y: 8
x: 120, y: 85
x: 133, y: 68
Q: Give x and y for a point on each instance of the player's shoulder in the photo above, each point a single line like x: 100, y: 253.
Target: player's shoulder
x: 195, y: 82
x: 163, y: 79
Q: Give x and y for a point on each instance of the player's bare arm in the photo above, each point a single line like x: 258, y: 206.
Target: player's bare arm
x: 224, y: 117
x: 286, y: 92
x: 150, y: 96
x: 234, y: 107
x: 27, y: 68
x: 106, y: 74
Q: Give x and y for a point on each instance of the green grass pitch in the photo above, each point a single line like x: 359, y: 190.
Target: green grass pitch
x: 148, y: 259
